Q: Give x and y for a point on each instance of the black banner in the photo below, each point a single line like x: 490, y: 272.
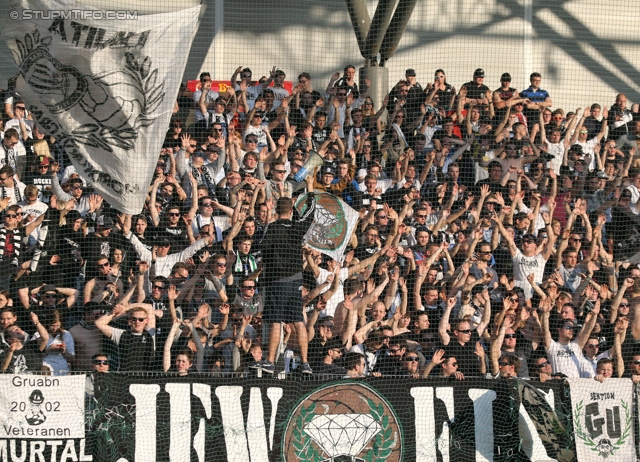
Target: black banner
x: 198, y: 418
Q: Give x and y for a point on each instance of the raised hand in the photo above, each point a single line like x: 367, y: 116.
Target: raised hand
x: 437, y: 357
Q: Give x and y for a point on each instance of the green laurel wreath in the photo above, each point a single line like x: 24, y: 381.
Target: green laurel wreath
x: 301, y: 442
x: 588, y: 441
x: 383, y: 443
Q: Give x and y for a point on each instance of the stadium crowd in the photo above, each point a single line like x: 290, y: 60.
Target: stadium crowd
x: 496, y: 236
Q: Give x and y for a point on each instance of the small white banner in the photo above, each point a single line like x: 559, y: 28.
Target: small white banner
x: 603, y: 419
x: 42, y: 407
x: 332, y: 226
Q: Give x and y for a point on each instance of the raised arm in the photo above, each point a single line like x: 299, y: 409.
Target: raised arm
x: 444, y: 321
x: 166, y: 356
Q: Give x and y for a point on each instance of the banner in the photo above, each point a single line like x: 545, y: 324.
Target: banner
x: 333, y: 224
x: 603, y: 419
x: 104, y: 84
x: 42, y: 415
x: 118, y: 417
x: 204, y: 418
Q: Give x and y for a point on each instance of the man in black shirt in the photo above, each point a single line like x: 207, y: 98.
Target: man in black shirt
x: 136, y: 347
x: 333, y: 351
x: 464, y: 346
x: 283, y: 275
x: 24, y: 357
x: 476, y: 89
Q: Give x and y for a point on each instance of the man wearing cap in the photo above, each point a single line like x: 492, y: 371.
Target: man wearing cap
x: 75, y: 191
x: 97, y: 244
x: 190, y: 159
x: 50, y: 295
x: 476, y: 89
x: 504, y: 96
x: 41, y: 178
x: 528, y: 260
x: 333, y: 351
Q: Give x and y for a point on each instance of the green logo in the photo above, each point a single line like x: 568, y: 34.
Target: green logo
x: 604, y: 447
x: 349, y: 422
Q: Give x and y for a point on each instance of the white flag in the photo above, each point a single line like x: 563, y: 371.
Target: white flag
x: 104, y: 84
x: 603, y: 422
x: 332, y: 226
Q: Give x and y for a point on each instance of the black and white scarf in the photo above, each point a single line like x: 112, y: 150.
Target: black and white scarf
x: 204, y: 178
x: 17, y: 242
x: 16, y: 191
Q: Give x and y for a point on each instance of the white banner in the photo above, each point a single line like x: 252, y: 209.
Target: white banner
x: 41, y: 407
x: 103, y: 83
x: 333, y: 223
x: 603, y: 419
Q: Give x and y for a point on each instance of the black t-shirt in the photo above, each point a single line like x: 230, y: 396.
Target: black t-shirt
x: 316, y: 351
x: 27, y: 359
x: 445, y: 97
x: 365, y: 251
x: 320, y: 135
x: 475, y: 91
x: 468, y: 362
x: 523, y: 352
x: 323, y: 368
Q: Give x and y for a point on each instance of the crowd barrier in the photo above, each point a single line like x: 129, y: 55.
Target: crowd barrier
x: 153, y: 417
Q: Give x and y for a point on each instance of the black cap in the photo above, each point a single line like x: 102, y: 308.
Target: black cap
x: 478, y: 73
x: 506, y: 76
x: 105, y: 221
x: 576, y: 148
x: 327, y: 169
x: 410, y: 72
x: 478, y: 289
x: 48, y: 288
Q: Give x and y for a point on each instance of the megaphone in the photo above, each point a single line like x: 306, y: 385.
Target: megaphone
x: 309, y: 166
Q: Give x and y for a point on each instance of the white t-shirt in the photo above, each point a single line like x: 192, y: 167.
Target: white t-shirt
x: 15, y: 123
x: 635, y: 196
x: 33, y: 211
x: 338, y: 297
x: 259, y: 132
x: 10, y: 192
x: 565, y: 359
x: 251, y: 94
x: 557, y: 151
x: 587, y: 148
x: 278, y: 95
x: 523, y: 266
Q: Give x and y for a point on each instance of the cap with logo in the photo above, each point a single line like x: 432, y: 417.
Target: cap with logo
x: 478, y: 73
